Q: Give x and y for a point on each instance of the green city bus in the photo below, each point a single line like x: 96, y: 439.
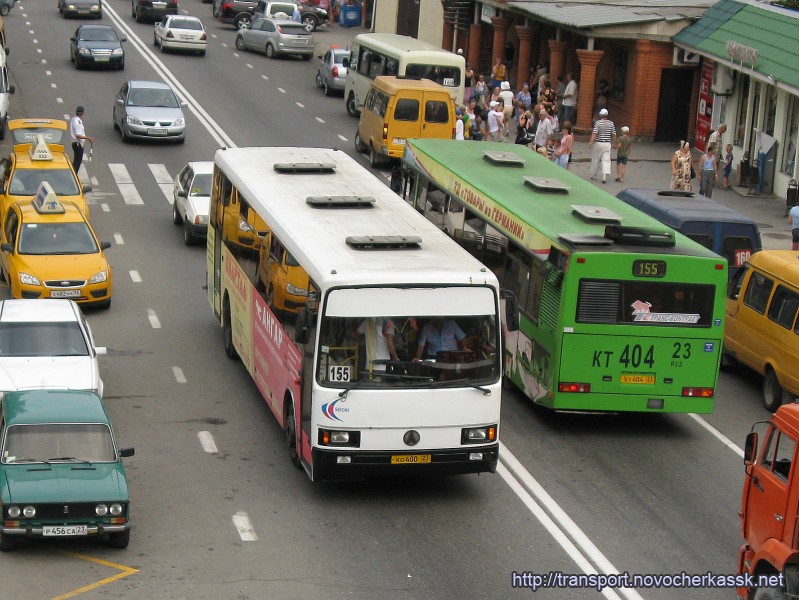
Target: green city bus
x: 617, y: 311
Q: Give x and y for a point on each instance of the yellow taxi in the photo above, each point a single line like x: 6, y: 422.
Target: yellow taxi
x: 49, y: 250
x: 38, y: 155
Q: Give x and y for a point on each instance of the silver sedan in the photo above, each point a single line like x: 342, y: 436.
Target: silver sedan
x: 149, y: 110
x: 276, y: 37
x: 180, y: 32
x: 332, y: 72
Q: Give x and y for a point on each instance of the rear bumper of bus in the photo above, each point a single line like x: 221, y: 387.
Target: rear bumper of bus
x: 335, y: 465
x: 629, y: 403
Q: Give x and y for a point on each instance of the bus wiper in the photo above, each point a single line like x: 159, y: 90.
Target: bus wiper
x: 71, y: 458
x: 485, y: 390
x: 343, y: 393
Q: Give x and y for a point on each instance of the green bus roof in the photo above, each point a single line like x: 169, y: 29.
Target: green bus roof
x: 499, y: 192
x: 53, y: 406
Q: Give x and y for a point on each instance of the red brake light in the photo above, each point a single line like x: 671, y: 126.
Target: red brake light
x: 385, y: 131
x: 279, y: 29
x: 169, y: 34
x: 578, y: 388
x: 335, y: 71
x: 692, y: 392
x: 202, y: 37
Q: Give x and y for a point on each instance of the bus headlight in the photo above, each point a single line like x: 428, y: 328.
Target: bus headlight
x: 332, y: 437
x: 479, y: 435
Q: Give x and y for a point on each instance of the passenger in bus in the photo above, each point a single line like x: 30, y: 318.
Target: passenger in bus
x: 379, y: 348
x: 440, y: 335
x: 402, y: 333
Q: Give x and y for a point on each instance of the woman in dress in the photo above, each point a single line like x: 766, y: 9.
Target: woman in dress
x: 681, y: 167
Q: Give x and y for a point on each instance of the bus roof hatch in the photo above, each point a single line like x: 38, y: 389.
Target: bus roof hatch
x: 341, y: 201
x: 546, y: 184
x: 596, y: 213
x: 640, y: 236
x: 507, y: 159
x: 305, y: 167
x: 384, y: 242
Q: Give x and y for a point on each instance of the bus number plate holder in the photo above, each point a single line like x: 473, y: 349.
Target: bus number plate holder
x: 636, y: 378
x: 411, y: 459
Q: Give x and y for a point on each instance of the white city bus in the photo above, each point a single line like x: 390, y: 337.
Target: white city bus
x: 374, y: 54
x: 389, y: 359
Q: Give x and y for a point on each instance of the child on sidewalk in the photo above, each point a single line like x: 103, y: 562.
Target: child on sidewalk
x: 623, y: 145
x: 727, y: 166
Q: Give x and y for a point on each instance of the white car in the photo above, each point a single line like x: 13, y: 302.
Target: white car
x: 192, y: 199
x: 180, y: 32
x: 47, y: 344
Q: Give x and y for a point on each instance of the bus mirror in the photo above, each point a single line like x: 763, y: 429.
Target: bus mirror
x: 302, y: 326
x: 750, y: 448
x: 511, y: 310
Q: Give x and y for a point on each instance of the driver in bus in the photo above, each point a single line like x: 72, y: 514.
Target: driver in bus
x: 440, y: 335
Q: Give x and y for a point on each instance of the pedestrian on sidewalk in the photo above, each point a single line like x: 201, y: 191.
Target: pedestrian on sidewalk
x: 468, y: 82
x: 728, y: 166
x: 570, y: 99
x: 507, y: 100
x: 564, y: 153
x: 681, y: 168
x: 79, y: 137
x: 625, y: 142
x: 709, y: 172
x: 602, y: 138
x: 494, y: 125
x: 793, y: 221
x: 543, y: 130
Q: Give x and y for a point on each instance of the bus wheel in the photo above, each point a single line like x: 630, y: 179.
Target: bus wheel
x: 772, y: 391
x: 290, y: 427
x: 768, y: 594
x: 230, y: 349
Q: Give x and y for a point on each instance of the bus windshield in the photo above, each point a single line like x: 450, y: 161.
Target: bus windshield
x: 403, y: 338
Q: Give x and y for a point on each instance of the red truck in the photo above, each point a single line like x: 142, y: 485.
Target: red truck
x: 768, y: 562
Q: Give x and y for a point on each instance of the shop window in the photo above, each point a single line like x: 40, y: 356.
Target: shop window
x: 771, y: 109
x: 620, y: 74
x: 791, y: 135
x: 743, y: 106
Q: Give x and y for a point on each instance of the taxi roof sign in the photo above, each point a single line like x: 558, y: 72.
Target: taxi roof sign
x: 46, y: 201
x: 40, y: 150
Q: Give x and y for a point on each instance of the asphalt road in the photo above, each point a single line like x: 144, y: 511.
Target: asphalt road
x: 644, y: 494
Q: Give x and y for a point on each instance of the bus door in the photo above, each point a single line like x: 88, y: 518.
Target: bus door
x: 220, y: 198
x: 305, y: 397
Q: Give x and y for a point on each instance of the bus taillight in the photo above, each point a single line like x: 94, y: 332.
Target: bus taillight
x: 385, y: 131
x: 575, y: 388
x: 697, y: 392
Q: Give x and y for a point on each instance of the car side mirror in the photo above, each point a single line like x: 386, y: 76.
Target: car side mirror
x: 100, y: 350
x: 6, y: 247
x: 105, y: 245
x: 87, y: 189
x: 183, y: 104
x: 125, y: 452
x: 302, y: 325
x: 123, y: 39
x: 7, y: 50
x: 73, y: 39
x: 12, y: 89
x: 750, y: 448
x: 183, y: 193
x: 511, y: 309
x: 118, y: 101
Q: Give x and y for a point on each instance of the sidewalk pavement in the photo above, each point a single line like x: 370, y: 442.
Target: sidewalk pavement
x: 648, y: 166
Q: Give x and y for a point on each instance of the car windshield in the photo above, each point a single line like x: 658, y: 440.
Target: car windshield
x: 201, y: 186
x: 152, y: 97
x: 186, y: 24
x: 99, y: 34
x: 42, y: 339
x: 54, y: 442
x: 25, y: 182
x: 56, y: 238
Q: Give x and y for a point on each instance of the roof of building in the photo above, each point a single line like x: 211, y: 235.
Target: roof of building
x: 770, y: 30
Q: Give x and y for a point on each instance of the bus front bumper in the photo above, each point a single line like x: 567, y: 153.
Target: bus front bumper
x: 347, y: 464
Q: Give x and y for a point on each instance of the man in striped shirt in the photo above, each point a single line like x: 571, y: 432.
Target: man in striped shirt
x: 603, y: 137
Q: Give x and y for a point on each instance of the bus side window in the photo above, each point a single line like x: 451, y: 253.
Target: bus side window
x: 758, y: 291
x: 392, y: 67
x: 364, y: 61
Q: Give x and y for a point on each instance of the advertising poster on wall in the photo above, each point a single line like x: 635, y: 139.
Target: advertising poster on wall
x: 704, y: 109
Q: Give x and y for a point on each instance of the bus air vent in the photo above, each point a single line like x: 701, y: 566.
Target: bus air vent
x: 640, y: 236
x: 303, y: 167
x: 506, y: 159
x: 584, y: 239
x: 595, y: 213
x: 341, y: 201
x: 546, y: 184
x: 384, y: 242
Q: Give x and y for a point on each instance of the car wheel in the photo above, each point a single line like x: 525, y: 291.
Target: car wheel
x: 5, y: 9
x: 119, y: 540
x: 290, y: 429
x: 352, y: 107
x: 177, y: 218
x: 768, y: 594
x: 309, y: 21
x: 181, y: 140
x: 327, y: 89
x: 7, y: 543
x: 188, y: 236
x: 105, y: 305
x: 138, y: 16
x: 270, y: 50
x: 132, y: 9
x: 121, y: 66
x: 243, y: 21
x: 3, y: 125
x: 773, y: 394
x: 230, y: 349
x: 239, y: 42
x: 125, y: 136
x: 161, y: 44
x: 359, y: 145
x: 270, y: 298
x: 201, y: 52
x: 319, y: 81
x: 155, y: 40
x: 305, y: 56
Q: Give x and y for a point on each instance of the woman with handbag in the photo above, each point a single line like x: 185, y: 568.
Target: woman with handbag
x: 524, y: 133
x: 682, y: 168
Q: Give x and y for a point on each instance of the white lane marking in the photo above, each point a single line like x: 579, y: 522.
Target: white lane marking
x: 125, y: 184
x: 35, y: 41
x: 213, y: 35
x: 164, y: 180
x: 559, y: 524
x: 178, y: 373
x: 718, y: 435
x: 118, y: 240
x: 59, y: 100
x: 244, y: 527
x: 104, y: 207
x: 236, y: 54
x: 320, y: 119
x: 249, y: 66
x: 95, y: 182
x: 135, y: 277
x: 207, y: 442
x: 153, y: 318
x: 281, y: 90
x: 44, y: 61
x: 300, y: 104
x: 48, y: 73
x: 53, y: 85
x: 265, y: 77
x: 342, y: 138
x: 39, y: 50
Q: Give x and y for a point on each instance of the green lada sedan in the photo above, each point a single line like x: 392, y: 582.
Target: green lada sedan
x: 61, y: 471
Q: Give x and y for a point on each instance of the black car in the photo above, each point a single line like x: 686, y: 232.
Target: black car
x: 97, y: 45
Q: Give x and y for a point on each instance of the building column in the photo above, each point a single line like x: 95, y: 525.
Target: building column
x: 448, y: 36
x: 500, y: 25
x: 525, y: 48
x: 589, y: 59
x: 473, y: 55
x: 557, y: 58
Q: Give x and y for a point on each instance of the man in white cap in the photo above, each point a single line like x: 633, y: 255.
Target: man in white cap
x: 602, y: 138
x: 507, y: 98
x: 78, y: 135
x: 494, y: 124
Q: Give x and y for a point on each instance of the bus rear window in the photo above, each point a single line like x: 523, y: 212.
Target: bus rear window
x: 645, y: 303
x: 447, y: 76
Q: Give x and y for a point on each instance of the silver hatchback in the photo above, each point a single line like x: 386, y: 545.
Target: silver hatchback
x: 276, y: 37
x: 149, y: 110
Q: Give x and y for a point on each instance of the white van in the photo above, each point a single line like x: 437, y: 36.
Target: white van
x: 5, y: 92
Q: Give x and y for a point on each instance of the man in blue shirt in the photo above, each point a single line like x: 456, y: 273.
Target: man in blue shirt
x: 440, y: 335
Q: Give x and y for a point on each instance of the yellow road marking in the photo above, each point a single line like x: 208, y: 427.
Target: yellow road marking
x: 124, y: 572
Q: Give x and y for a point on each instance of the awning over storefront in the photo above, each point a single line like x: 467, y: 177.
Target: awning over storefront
x: 755, y: 37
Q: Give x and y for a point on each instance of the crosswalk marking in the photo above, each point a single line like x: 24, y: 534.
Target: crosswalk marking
x: 125, y: 183
x: 163, y: 179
